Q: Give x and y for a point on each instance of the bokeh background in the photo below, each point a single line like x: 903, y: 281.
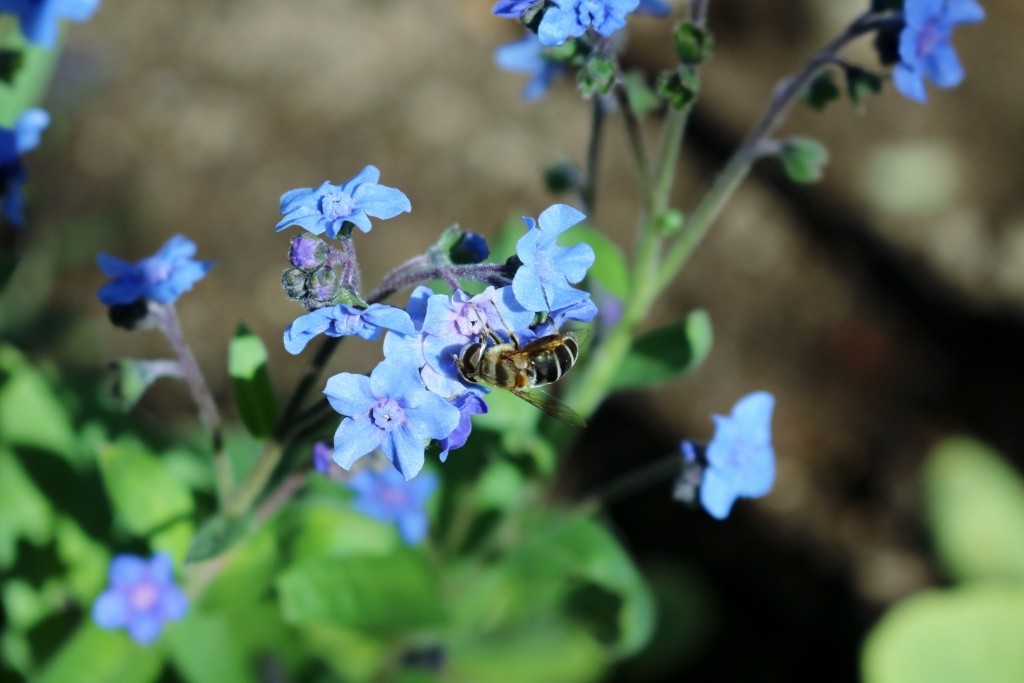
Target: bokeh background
x: 882, y: 306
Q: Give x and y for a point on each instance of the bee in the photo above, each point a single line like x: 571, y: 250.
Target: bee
x: 521, y: 368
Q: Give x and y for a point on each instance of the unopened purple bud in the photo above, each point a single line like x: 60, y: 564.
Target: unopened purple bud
x: 307, y: 252
x: 322, y: 286
x: 471, y: 248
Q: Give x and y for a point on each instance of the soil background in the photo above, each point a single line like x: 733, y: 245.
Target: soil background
x: 884, y: 307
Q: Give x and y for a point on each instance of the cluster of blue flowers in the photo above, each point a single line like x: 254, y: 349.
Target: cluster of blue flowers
x: 416, y: 395
x: 142, y: 597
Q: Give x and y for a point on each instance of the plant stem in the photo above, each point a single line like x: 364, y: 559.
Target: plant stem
x: 632, y: 482
x: 166, y: 317
x: 589, y: 187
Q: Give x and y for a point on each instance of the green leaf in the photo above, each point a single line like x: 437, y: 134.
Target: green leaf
x: 804, y: 159
x: 642, y: 99
x: 215, y: 536
x: 8, y: 264
x: 332, y: 528
x: 30, y: 414
x: 29, y: 83
x: 949, y: 636
x: 542, y: 653
x: 609, y: 269
x: 570, y: 550
x: 99, y: 656
x: 134, y: 377
x: 146, y: 496
x: 254, y: 394
x: 204, y: 649
x: 24, y: 510
x: 974, y: 503
x: 860, y: 83
x: 665, y: 353
x: 378, y: 595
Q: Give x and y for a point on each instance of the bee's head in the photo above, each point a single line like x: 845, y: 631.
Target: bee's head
x: 468, y: 361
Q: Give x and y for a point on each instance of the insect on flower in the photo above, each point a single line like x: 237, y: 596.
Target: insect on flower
x: 521, y: 368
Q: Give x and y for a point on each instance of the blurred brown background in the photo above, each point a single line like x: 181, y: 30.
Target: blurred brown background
x: 882, y: 306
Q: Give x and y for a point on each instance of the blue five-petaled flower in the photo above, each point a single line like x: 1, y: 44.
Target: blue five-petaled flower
x: 925, y: 48
x: 386, y: 496
x: 740, y: 457
x: 543, y: 281
x: 343, y: 320
x: 162, y: 277
x: 327, y: 208
x: 141, y: 598
x: 391, y: 410
x: 14, y: 143
x: 572, y: 18
x: 40, y: 19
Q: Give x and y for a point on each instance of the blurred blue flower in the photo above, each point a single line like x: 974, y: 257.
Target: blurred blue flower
x: 740, y: 457
x: 14, y: 143
x: 513, y: 9
x: 390, y: 410
x: 40, y: 19
x: 141, y: 598
x: 162, y: 277
x: 328, y: 207
x: 527, y: 56
x: 322, y: 457
x: 542, y: 282
x: 925, y: 48
x: 655, y: 8
x: 469, y: 404
x: 386, y: 496
x: 571, y: 18
x: 342, y: 320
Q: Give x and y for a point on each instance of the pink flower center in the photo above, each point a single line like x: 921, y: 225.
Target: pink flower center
x: 143, y: 596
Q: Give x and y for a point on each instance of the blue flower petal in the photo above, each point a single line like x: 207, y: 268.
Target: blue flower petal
x: 110, y: 610
x: 126, y: 570
x: 413, y: 527
x: 717, y: 493
x: 350, y: 394
x: 145, y: 628
x: 910, y: 83
x: 355, y: 438
x: 382, y: 202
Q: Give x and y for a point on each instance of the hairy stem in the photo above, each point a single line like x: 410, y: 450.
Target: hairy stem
x: 589, y: 187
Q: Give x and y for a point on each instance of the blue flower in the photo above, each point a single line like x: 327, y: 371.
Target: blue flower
x: 343, y: 320
x: 542, y: 282
x: 388, y: 497
x: 925, y: 48
x: 740, y: 457
x: 390, y: 410
x: 14, y: 143
x: 141, y: 598
x: 513, y: 9
x: 162, y: 277
x: 469, y: 404
x: 327, y: 208
x: 571, y: 18
x: 527, y: 56
x: 655, y: 8
x: 40, y: 19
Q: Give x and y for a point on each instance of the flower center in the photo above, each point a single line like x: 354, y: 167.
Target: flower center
x: 468, y: 322
x: 388, y: 415
x: 928, y: 39
x: 143, y: 596
x: 337, y: 205
x: 590, y: 12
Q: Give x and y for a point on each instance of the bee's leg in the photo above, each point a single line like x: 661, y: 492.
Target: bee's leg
x: 492, y: 335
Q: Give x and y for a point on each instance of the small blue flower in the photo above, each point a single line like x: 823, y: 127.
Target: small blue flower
x: 527, y: 56
x: 571, y: 18
x: 925, y: 48
x: 513, y: 9
x: 386, y: 496
x: 390, y: 410
x: 343, y: 320
x: 740, y: 457
x: 142, y: 597
x: 542, y: 282
x: 469, y: 404
x: 328, y: 207
x: 14, y: 143
x: 40, y: 19
x: 322, y: 457
x: 162, y: 277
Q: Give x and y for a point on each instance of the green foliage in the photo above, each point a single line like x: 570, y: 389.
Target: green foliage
x: 609, y: 269
x: 101, y: 656
x: 29, y: 83
x: 642, y: 99
x: 804, y: 159
x: 254, y: 394
x: 596, y: 77
x: 8, y: 264
x: 30, y: 414
x: 10, y: 62
x: 666, y: 353
x: 970, y: 633
x: 24, y: 512
x: 205, y: 649
x: 975, y: 508
x: 215, y: 536
x: 861, y: 83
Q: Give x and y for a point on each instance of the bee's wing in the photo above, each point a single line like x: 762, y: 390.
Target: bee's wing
x: 552, y: 406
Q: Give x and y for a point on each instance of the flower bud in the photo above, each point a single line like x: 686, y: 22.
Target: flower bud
x: 307, y: 252
x: 322, y: 288
x: 294, y: 282
x: 129, y: 316
x: 471, y: 248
